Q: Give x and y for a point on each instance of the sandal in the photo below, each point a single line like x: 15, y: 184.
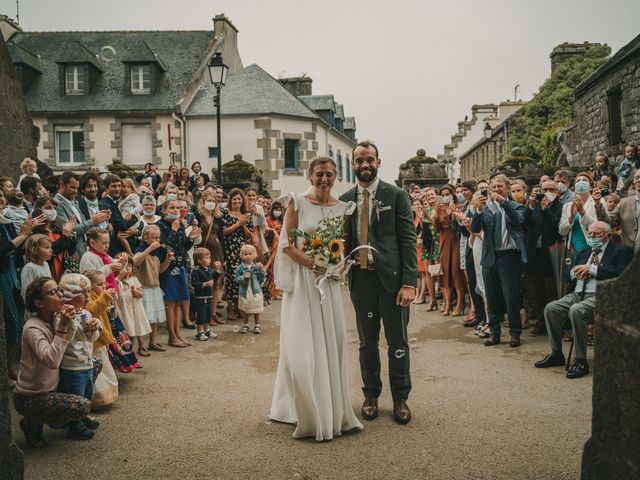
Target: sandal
x: 591, y: 341
x: 257, y: 329
x: 245, y: 329
x: 143, y: 352
x: 157, y: 347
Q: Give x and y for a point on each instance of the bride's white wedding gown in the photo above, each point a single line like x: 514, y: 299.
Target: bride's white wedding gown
x: 311, y: 388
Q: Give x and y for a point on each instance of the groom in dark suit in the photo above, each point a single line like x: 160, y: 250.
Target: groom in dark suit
x: 383, y: 280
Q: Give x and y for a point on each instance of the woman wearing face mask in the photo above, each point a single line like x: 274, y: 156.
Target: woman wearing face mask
x: 63, y: 242
x: 274, y: 219
x: 209, y: 218
x: 170, y: 193
x: 148, y: 214
x: 174, y: 281
x: 582, y: 212
x: 452, y: 277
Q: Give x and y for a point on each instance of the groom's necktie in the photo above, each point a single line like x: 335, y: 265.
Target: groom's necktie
x: 364, y: 229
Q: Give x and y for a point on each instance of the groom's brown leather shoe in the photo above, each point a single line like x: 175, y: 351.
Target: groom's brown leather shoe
x: 401, y: 412
x: 370, y: 408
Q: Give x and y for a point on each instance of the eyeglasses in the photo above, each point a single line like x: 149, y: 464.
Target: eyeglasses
x: 55, y: 291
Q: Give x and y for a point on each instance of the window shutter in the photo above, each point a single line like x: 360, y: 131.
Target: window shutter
x: 153, y: 78
x: 88, y: 79
x: 127, y: 77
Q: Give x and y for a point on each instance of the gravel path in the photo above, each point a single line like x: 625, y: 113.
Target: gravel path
x: 478, y: 413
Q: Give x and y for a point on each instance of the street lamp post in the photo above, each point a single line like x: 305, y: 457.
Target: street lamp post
x: 218, y: 73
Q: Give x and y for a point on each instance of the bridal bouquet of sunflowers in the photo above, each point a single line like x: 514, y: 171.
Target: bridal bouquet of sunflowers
x: 324, y: 246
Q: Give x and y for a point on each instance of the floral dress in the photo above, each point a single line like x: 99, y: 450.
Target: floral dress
x: 430, y: 252
x: 232, y: 244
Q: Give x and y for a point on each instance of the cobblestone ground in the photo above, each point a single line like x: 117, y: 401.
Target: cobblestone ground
x: 479, y: 413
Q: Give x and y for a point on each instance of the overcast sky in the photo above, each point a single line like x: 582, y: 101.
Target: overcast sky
x: 408, y: 70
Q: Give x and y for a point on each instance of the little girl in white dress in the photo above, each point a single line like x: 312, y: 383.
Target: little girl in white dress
x: 131, y: 309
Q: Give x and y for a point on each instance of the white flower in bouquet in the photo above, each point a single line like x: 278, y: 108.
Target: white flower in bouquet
x: 320, y: 261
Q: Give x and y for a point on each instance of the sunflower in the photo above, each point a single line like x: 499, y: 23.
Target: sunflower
x: 335, y: 247
x: 316, y: 242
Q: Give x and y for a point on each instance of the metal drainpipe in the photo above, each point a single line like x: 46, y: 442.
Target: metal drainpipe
x: 183, y: 138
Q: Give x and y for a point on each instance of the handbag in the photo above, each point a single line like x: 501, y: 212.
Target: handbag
x: 434, y: 269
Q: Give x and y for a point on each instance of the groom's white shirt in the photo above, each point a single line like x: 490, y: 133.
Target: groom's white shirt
x: 360, y: 200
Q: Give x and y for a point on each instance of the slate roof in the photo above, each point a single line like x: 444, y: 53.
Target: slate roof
x: 179, y: 52
x: 20, y: 54
x: 248, y: 92
x: 319, y: 102
x: 350, y: 123
x: 621, y: 57
x: 339, y: 111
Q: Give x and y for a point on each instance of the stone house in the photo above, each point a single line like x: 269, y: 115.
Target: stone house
x: 606, y: 111
x: 134, y: 97
x: 272, y: 128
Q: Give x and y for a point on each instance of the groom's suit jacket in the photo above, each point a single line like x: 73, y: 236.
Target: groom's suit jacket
x: 393, y: 235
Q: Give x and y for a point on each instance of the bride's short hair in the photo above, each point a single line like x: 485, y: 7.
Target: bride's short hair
x: 321, y: 161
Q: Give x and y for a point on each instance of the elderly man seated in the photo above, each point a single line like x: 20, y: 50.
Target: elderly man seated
x: 600, y: 261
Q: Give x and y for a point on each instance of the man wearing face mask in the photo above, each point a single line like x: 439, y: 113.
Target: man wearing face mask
x: 563, y: 181
x: 68, y: 207
x: 601, y: 260
x: 113, y: 185
x: 541, y: 220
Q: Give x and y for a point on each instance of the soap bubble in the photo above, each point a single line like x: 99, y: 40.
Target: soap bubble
x: 400, y: 353
x: 236, y: 328
x: 413, y: 340
x: 370, y: 314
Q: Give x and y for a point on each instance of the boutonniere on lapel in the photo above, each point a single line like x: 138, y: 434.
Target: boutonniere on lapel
x: 379, y: 207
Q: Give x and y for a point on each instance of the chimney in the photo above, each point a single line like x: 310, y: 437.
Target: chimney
x: 566, y: 51
x: 226, y: 42
x: 297, y: 85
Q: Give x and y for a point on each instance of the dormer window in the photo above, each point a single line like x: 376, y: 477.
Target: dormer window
x: 75, y: 79
x: 140, y: 79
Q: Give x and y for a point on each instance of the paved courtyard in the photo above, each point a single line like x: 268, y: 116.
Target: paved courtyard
x: 479, y: 413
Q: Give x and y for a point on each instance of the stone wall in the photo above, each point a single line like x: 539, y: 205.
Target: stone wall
x: 17, y: 134
x: 16, y: 142
x: 613, y: 451
x: 590, y: 131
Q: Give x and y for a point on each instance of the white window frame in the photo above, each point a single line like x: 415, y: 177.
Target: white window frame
x: 68, y: 129
x: 74, y: 77
x: 138, y: 80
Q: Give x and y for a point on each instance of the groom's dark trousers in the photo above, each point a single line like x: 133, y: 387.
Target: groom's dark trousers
x: 371, y: 302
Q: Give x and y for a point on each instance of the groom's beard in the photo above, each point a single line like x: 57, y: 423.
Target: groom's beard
x: 372, y: 173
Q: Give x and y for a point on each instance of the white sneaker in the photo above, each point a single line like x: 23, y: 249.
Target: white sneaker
x: 201, y: 336
x: 211, y: 334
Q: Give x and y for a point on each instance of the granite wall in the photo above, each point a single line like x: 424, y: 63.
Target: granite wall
x: 613, y: 451
x: 590, y: 130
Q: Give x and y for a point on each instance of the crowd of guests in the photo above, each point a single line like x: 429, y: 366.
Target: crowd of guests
x: 530, y: 253
x: 90, y: 270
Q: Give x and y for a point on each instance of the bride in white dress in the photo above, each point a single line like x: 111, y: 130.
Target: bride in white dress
x: 311, y: 388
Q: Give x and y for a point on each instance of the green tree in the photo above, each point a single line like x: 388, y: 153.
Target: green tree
x: 534, y: 128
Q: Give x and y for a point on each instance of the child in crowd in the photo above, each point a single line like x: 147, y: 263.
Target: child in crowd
x: 147, y: 267
x: 29, y: 168
x: 76, y: 369
x: 130, y: 307
x: 249, y: 276
x: 129, y: 206
x: 203, y: 278
x: 37, y: 249
x: 96, y: 258
x: 105, y: 389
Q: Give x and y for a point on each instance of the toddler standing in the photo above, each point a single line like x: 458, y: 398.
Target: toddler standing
x: 203, y: 277
x: 37, y: 249
x: 76, y: 369
x: 105, y: 389
x: 249, y: 276
x: 130, y: 307
x: 147, y: 266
